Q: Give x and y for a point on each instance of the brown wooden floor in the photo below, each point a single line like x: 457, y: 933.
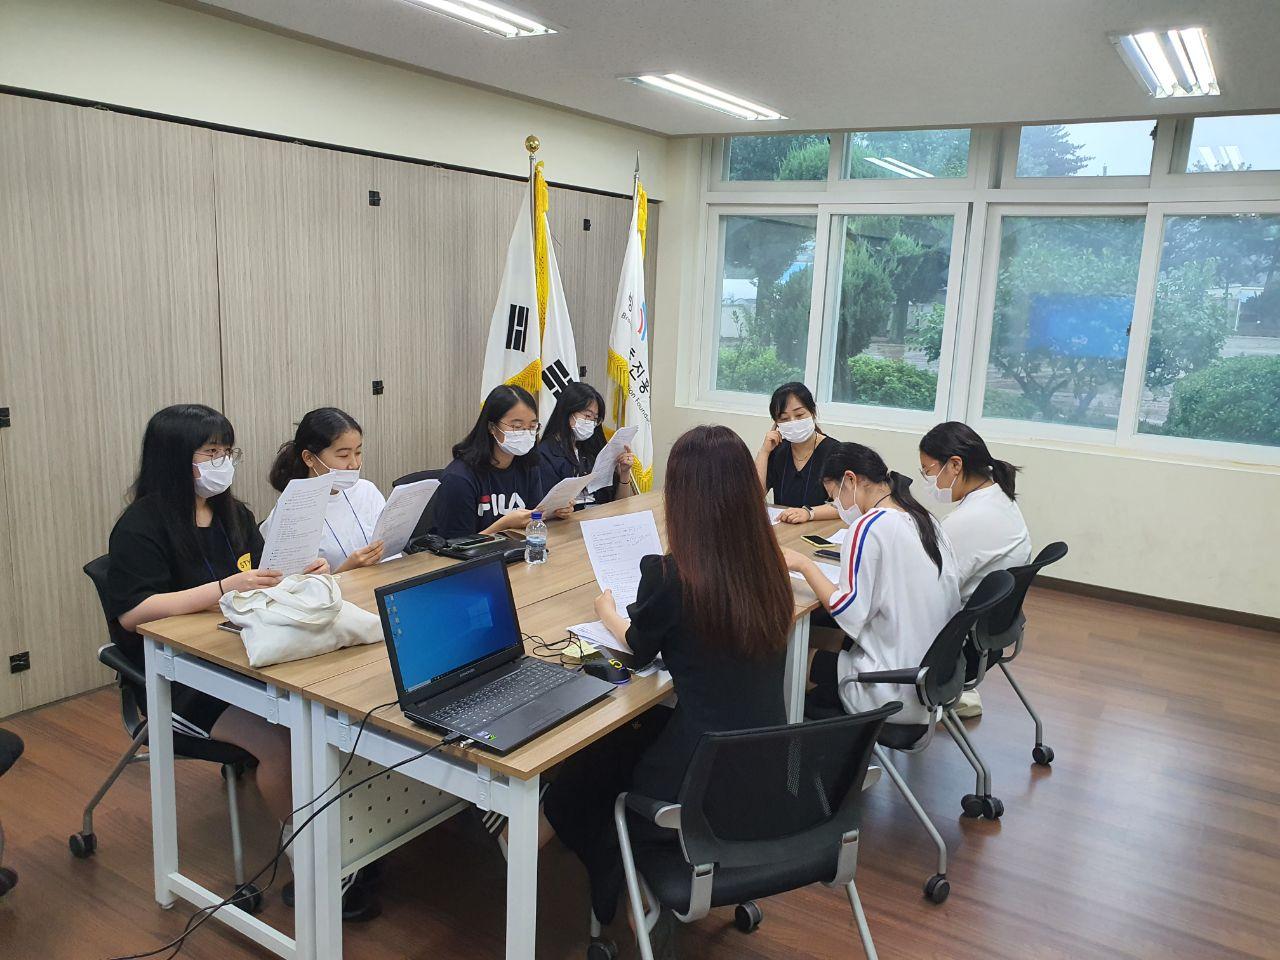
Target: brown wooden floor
x: 1155, y: 834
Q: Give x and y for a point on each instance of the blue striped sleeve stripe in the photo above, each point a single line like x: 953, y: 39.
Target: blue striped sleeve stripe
x: 856, y: 560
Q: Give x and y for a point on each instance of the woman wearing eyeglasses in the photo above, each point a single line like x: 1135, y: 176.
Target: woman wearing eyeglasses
x: 494, y: 482
x: 574, y: 438
x: 183, y: 542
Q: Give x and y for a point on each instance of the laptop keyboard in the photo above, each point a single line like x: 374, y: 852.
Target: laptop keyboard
x: 491, y: 701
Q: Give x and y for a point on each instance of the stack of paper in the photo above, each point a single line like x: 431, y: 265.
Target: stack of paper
x: 615, y: 546
x: 607, y: 462
x: 297, y: 524
x: 401, y: 515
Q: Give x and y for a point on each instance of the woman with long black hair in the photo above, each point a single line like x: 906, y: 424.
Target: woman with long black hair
x: 183, y: 542
x: 494, y: 482
x: 573, y: 438
x: 718, y: 609
x: 897, y: 586
x: 329, y: 441
x: 986, y: 528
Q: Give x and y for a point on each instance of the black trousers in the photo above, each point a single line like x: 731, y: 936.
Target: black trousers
x: 579, y: 805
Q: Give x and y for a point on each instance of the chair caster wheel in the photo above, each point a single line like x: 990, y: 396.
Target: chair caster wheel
x: 602, y: 950
x: 1042, y: 755
x: 248, y: 898
x: 937, y: 888
x: 971, y: 804
x: 748, y: 916
x: 8, y: 880
x: 83, y: 845
x: 992, y: 808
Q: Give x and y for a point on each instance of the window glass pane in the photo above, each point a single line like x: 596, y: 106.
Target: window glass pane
x: 906, y: 154
x: 766, y: 282
x: 1234, y: 143
x: 1064, y: 301
x: 891, y: 310
x: 1213, y: 361
x: 1117, y: 149
x: 800, y: 157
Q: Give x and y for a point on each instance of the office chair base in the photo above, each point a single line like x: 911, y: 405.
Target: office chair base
x: 937, y: 888
x: 83, y: 845
x: 1042, y: 755
x: 248, y: 898
x: 748, y: 916
x: 602, y: 950
x: 988, y: 807
x: 8, y: 880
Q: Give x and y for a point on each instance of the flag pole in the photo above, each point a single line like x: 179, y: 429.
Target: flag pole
x: 532, y: 144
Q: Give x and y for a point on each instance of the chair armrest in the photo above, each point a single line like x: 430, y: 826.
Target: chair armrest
x: 114, y: 657
x: 906, y: 675
x: 660, y: 812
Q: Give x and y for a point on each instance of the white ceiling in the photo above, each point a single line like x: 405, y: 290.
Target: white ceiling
x: 826, y: 64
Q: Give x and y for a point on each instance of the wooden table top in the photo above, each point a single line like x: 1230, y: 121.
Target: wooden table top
x: 550, y: 597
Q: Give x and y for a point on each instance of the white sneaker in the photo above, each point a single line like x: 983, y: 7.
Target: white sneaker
x: 969, y: 705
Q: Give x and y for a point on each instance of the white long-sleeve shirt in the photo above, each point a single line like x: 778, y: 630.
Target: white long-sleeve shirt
x: 893, y: 602
x: 987, y: 533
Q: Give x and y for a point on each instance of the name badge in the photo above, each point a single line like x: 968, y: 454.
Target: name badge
x: 245, y: 563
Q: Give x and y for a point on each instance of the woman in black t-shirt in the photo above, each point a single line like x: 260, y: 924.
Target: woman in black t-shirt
x: 717, y: 609
x: 493, y: 483
x: 789, y: 462
x: 183, y: 542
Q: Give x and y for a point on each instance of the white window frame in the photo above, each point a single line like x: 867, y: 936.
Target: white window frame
x: 825, y: 361
x: 1161, y: 148
x: 718, y: 175
x: 1178, y: 175
x: 871, y: 186
x: 1002, y: 428
x: 709, y: 312
x: 1140, y: 341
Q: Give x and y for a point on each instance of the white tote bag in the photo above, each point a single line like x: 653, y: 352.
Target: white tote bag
x: 303, y: 616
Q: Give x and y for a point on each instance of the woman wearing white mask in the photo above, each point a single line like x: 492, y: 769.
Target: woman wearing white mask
x: 573, y: 438
x: 329, y: 441
x: 897, y: 587
x: 790, y: 460
x: 986, y: 529
x: 183, y: 542
x: 494, y: 482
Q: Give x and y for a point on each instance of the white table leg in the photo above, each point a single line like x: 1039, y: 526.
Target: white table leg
x: 164, y: 809
x: 302, y: 847
x: 796, y: 677
x: 326, y: 843
x: 522, y: 869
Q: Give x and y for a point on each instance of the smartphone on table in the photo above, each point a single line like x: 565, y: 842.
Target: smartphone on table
x: 816, y: 541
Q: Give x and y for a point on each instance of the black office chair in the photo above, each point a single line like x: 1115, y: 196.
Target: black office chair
x: 11, y: 747
x: 760, y: 812
x: 417, y: 541
x: 133, y: 694
x: 997, y: 638
x: 939, y: 681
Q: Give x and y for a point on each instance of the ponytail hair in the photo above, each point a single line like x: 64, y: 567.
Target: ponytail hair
x: 316, y: 432
x: 956, y: 439
x: 864, y: 462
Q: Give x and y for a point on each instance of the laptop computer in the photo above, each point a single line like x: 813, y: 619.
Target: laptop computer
x: 458, y: 658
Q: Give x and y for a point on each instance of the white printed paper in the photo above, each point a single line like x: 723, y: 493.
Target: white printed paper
x: 598, y: 635
x: 297, y: 524
x: 562, y: 495
x: 775, y: 513
x: 839, y: 535
x: 401, y: 515
x: 607, y: 462
x: 829, y: 570
x: 615, y: 546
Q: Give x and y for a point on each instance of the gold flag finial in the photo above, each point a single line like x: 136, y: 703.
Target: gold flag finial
x: 532, y: 143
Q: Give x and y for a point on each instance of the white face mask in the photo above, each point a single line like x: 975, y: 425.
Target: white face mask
x: 941, y: 494
x: 847, y: 514
x: 584, y: 429
x: 213, y: 480
x: 518, y: 442
x: 341, y: 479
x: 797, y: 431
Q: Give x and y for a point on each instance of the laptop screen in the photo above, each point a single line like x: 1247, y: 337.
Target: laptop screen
x: 449, y: 622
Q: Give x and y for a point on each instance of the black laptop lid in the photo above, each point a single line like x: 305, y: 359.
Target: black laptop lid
x: 445, y: 627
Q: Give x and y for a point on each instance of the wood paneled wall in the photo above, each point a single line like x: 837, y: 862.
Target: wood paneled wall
x: 149, y: 262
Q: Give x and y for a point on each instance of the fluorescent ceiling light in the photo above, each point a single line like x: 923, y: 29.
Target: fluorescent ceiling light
x: 1171, y: 63
x: 707, y: 96
x: 488, y: 17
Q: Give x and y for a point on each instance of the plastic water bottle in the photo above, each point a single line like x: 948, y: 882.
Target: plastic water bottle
x: 535, y: 540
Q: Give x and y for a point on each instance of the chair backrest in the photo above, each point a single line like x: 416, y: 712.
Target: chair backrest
x: 427, y: 520
x: 757, y: 797
x: 944, y: 679
x: 97, y: 570
x: 1004, y: 615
